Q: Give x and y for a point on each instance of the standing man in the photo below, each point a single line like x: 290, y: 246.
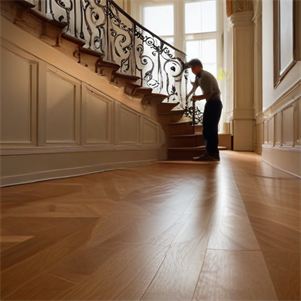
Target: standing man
x: 213, y: 108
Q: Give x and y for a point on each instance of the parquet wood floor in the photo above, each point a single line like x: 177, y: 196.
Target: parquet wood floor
x: 167, y: 231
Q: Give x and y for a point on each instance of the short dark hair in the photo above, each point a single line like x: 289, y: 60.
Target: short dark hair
x: 193, y: 63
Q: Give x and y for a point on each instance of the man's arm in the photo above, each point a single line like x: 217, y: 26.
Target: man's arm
x: 200, y: 97
x: 207, y: 88
x: 194, y: 87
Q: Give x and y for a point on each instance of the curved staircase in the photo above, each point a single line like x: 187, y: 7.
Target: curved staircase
x: 183, y: 141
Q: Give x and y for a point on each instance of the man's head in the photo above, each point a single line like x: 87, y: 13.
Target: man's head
x: 195, y: 65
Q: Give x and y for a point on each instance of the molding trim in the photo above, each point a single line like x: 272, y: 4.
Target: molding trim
x: 76, y: 149
x: 293, y: 174
x: 279, y: 104
x: 68, y: 172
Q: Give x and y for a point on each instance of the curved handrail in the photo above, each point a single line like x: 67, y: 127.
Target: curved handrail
x: 144, y: 28
x: 140, y: 53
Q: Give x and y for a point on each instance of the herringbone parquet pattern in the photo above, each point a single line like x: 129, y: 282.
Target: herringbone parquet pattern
x: 168, y: 231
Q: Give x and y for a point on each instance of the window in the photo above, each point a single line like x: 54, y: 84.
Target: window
x: 206, y: 50
x: 202, y: 37
x: 200, y: 16
x: 160, y: 20
x: 193, y: 26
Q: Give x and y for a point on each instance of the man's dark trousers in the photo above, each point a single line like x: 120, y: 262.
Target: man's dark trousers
x: 211, y: 117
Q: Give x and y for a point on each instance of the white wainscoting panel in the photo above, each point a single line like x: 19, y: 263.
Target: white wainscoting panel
x: 297, y: 122
x: 271, y: 131
x: 57, y: 123
x: 259, y: 138
x: 282, y: 121
x: 18, y: 99
x: 62, y: 109
x: 150, y: 132
x: 278, y: 129
x: 288, y: 126
x: 265, y: 132
x: 98, y: 117
x: 128, y: 125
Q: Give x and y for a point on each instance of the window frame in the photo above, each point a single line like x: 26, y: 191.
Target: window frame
x: 180, y: 37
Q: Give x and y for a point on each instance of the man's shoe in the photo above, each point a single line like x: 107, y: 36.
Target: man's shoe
x: 216, y: 157
x: 204, y: 158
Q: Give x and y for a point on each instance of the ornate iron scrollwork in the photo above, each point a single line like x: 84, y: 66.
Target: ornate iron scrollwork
x: 108, y: 29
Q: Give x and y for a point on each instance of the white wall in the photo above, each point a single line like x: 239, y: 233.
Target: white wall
x: 59, y: 119
x: 270, y: 95
x: 278, y: 127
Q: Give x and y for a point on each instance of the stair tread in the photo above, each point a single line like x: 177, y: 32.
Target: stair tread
x: 170, y: 103
x: 91, y: 52
x: 172, y: 112
x: 43, y: 18
x: 137, y: 87
x: 165, y: 107
x: 25, y: 3
x: 187, y: 148
x: 153, y: 99
x: 159, y: 94
x: 108, y: 64
x: 145, y: 89
x: 193, y: 148
x: 184, y: 136
x: 72, y: 39
x: 180, y: 123
x: 126, y: 76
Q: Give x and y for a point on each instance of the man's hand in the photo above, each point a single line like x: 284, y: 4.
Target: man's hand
x: 195, y: 98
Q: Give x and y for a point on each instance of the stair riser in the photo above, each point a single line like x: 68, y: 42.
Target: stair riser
x: 166, y: 107
x: 180, y: 129
x: 136, y: 92
x: 186, y: 141
x: 184, y: 155
x: 172, y: 118
x: 68, y: 48
x: 88, y: 61
x: 199, y: 129
x: 121, y: 82
x: 153, y: 99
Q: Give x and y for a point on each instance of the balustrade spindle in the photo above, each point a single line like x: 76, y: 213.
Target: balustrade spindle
x: 108, y: 29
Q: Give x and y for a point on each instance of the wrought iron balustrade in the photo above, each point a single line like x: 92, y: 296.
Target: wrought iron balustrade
x: 106, y: 28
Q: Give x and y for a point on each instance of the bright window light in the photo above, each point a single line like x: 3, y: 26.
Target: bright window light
x: 159, y: 19
x: 200, y: 17
x: 206, y: 51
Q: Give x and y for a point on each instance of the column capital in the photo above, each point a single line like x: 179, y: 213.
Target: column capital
x: 242, y: 18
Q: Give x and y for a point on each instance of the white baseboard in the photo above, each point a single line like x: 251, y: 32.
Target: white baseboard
x: 286, y: 160
x: 68, y: 172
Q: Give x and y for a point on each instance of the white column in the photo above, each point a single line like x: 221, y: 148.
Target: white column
x: 243, y: 122
x: 258, y: 72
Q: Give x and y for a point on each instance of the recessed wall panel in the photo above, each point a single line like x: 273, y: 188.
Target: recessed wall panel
x: 17, y: 98
x: 150, y: 132
x: 288, y: 126
x: 271, y: 131
x: 98, y: 118
x: 297, y: 122
x: 278, y: 129
x: 129, y: 126
x: 61, y: 110
x: 265, y: 132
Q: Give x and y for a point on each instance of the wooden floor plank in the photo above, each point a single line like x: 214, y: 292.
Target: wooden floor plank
x: 177, y: 277
x: 178, y: 231
x: 234, y: 275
